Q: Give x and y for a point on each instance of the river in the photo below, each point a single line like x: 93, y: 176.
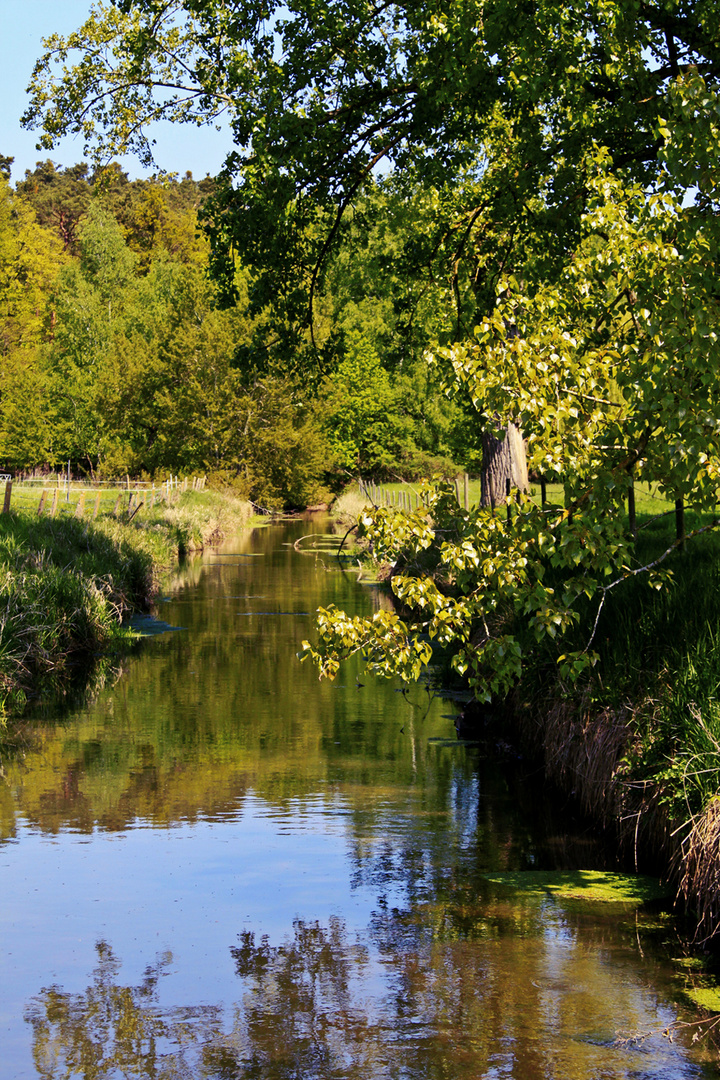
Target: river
x: 220, y: 867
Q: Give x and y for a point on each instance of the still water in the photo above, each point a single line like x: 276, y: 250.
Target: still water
x: 222, y: 868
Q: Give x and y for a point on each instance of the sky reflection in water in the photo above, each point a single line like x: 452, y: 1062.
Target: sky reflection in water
x: 222, y: 868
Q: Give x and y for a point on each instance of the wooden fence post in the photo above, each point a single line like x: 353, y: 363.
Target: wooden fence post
x: 631, y: 508
x: 41, y: 506
x: 97, y: 506
x: 80, y: 508
x: 680, y: 523
x: 53, y: 508
x: 116, y: 508
x: 8, y: 496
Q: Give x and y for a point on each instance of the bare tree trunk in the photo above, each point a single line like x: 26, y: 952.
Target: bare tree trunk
x: 503, y: 459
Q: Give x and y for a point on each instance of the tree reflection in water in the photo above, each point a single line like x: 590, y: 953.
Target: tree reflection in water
x: 526, y: 996
x: 117, y: 1031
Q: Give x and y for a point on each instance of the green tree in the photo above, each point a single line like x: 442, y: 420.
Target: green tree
x: 59, y: 197
x: 88, y: 301
x: 553, y: 146
x: 370, y: 428
x: 318, y: 95
x: 30, y: 259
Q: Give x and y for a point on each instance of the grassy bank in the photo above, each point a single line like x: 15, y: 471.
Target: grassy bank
x: 67, y: 582
x: 638, y: 742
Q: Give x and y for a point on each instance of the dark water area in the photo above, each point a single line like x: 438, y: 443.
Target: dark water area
x: 223, y: 868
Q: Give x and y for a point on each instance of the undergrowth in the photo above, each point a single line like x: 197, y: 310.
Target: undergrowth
x: 660, y: 651
x: 658, y: 678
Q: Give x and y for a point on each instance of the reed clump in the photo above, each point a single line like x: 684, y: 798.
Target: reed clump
x: 699, y: 869
x: 348, y: 506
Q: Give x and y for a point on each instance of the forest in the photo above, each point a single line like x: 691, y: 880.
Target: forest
x: 119, y: 358
x: 433, y: 229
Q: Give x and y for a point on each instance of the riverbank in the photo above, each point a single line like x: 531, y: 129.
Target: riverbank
x: 637, y: 741
x: 67, y: 584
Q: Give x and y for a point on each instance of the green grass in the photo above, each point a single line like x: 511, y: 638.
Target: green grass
x: 649, y: 502
x: 66, y: 583
x: 660, y: 651
x: 707, y: 997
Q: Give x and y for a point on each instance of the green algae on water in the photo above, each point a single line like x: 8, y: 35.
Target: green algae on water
x: 707, y: 997
x: 597, y: 886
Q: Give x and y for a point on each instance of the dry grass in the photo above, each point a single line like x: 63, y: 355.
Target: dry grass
x: 699, y: 870
x: 591, y: 756
x: 206, y: 518
x: 586, y: 753
x: 347, y: 507
x: 582, y: 752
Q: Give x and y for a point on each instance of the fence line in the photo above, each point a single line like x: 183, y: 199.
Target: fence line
x: 23, y: 495
x: 60, y: 480
x: 403, y: 500
x: 407, y: 500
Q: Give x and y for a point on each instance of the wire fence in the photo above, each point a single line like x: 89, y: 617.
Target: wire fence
x: 86, y: 499
x: 408, y: 501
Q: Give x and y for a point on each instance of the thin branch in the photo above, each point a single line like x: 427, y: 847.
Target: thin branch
x: 589, y: 397
x: 336, y: 225
x: 595, y: 624
x: 661, y: 558
x: 351, y: 529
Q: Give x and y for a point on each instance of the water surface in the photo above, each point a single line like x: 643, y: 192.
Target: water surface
x: 223, y: 868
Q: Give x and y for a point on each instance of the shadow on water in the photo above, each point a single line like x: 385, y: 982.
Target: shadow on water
x: 222, y: 868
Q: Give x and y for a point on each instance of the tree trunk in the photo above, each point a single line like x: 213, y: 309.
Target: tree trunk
x: 503, y: 460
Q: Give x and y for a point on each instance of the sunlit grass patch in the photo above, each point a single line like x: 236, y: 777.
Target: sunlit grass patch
x: 66, y: 583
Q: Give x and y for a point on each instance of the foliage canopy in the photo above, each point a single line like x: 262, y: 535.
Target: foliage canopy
x: 548, y: 151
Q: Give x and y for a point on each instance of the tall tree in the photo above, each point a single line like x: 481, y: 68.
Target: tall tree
x: 319, y: 94
x: 59, y: 197
x: 30, y: 260
x: 557, y: 143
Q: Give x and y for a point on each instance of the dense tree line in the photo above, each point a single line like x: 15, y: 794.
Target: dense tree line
x: 118, y: 357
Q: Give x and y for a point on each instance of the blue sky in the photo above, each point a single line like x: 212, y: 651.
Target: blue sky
x: 23, y: 24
